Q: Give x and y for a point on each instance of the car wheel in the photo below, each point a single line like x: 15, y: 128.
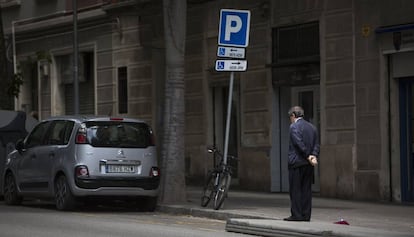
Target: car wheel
x: 64, y: 198
x: 10, y: 191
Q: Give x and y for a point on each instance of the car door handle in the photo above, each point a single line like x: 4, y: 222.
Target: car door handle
x: 33, y: 157
x: 51, y: 154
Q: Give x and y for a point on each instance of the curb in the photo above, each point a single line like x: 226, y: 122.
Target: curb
x: 206, y: 213
x: 274, y: 228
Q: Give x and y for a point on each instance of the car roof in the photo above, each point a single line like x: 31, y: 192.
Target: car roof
x: 85, y: 118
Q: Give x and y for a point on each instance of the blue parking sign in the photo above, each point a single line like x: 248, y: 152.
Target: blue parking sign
x: 234, y: 27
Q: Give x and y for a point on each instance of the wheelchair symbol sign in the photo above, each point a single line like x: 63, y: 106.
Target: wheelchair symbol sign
x: 220, y: 65
x: 231, y: 65
x: 222, y: 51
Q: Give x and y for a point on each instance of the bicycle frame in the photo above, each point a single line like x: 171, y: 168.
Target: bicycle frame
x: 218, y: 182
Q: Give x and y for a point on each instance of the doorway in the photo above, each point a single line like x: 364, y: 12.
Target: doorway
x: 308, y: 98
x: 86, y: 79
x: 406, y: 88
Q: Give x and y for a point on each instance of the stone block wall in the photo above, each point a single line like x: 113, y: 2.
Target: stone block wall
x: 338, y: 113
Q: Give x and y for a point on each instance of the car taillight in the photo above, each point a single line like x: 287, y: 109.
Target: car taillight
x: 81, y: 138
x: 116, y: 119
x: 152, y: 139
x: 155, y: 172
x: 81, y: 135
x: 81, y: 171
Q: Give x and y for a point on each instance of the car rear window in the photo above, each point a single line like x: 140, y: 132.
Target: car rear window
x: 119, y: 134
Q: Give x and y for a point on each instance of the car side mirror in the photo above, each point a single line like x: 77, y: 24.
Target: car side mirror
x: 20, y: 145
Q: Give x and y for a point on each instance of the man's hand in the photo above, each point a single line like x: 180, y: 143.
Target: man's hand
x: 312, y: 160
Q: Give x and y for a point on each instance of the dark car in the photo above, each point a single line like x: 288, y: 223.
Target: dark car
x: 14, y: 125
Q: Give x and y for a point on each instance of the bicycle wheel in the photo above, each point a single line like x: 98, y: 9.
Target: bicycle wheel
x: 222, y: 189
x: 208, y: 189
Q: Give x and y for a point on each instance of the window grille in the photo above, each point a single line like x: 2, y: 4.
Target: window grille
x: 296, y: 44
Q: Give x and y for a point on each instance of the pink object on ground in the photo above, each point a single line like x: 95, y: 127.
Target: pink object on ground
x: 341, y: 222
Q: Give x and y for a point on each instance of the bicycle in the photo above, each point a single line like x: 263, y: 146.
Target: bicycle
x: 218, y: 180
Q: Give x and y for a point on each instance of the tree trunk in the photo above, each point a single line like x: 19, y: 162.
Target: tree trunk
x: 173, y: 162
x: 6, y: 101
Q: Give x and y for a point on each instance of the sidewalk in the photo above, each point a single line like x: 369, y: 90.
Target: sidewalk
x: 263, y: 213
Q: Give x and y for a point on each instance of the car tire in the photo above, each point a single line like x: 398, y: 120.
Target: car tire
x: 11, y: 196
x: 64, y: 199
x: 149, y: 204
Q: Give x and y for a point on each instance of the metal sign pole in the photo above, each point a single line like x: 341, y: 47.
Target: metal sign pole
x: 75, y: 60
x: 226, y: 140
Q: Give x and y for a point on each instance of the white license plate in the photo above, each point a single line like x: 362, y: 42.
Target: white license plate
x: 121, y: 169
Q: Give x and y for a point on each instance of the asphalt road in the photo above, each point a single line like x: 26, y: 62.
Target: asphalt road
x: 40, y: 219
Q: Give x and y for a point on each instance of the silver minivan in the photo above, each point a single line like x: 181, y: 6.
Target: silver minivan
x: 74, y: 158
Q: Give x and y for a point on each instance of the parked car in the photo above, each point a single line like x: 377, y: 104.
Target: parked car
x: 14, y: 125
x: 74, y: 158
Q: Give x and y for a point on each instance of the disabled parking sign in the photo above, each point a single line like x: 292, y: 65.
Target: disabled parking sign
x: 231, y: 65
x: 234, y: 27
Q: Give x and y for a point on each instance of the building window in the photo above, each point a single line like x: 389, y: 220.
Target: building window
x: 295, y: 55
x: 296, y: 44
x: 123, y: 90
x: 85, y: 67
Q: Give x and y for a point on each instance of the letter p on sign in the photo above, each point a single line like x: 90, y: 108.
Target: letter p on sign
x: 234, y: 27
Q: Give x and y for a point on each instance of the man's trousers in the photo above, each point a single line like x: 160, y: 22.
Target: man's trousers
x: 300, y: 188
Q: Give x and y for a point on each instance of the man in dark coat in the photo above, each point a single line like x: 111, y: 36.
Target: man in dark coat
x: 303, y: 153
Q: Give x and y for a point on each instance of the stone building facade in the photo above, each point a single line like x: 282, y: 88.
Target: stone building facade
x: 348, y: 63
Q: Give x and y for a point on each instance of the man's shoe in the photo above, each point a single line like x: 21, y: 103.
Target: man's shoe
x: 292, y: 218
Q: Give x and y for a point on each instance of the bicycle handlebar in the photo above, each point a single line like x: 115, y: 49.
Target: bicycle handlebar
x: 214, y: 150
